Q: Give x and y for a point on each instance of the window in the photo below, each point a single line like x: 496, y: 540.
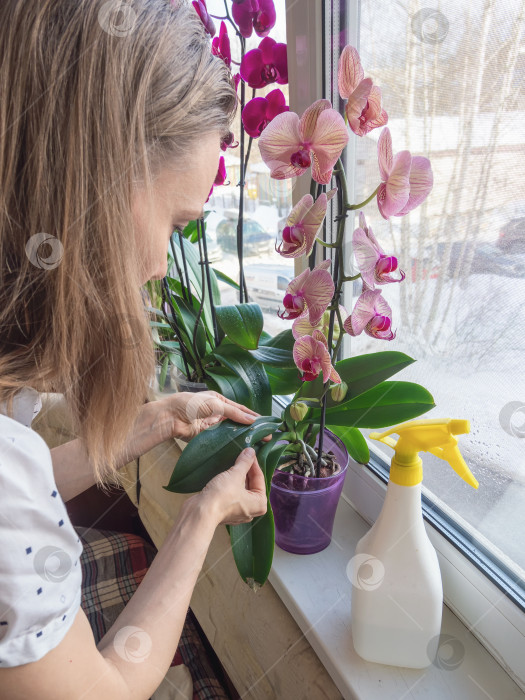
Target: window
x: 451, y: 81
x: 267, y: 204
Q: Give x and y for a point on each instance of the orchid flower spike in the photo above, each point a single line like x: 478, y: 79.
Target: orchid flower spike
x: 309, y: 293
x: 372, y: 315
x: 406, y: 180
x: 375, y: 267
x: 289, y: 145
x: 303, y: 224
x: 363, y: 109
x: 310, y: 354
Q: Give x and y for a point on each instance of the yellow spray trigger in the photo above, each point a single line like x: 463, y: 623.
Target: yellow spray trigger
x: 426, y: 435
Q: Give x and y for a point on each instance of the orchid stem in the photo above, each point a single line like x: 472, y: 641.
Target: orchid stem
x: 362, y: 204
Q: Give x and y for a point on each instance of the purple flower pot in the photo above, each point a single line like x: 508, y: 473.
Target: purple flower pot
x: 304, y: 506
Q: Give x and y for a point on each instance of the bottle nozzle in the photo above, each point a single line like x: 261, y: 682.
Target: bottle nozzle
x: 426, y: 435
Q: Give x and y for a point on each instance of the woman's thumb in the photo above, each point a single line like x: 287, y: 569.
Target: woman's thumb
x: 245, y: 458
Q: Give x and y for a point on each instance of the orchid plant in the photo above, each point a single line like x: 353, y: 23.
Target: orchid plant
x: 342, y: 395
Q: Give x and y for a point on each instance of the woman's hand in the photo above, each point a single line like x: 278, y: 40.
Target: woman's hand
x: 238, y: 494
x: 191, y: 413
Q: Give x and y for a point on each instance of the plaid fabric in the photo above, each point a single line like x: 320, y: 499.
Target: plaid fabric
x: 113, y: 565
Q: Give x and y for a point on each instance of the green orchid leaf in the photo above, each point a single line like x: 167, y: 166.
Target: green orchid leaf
x: 242, y: 323
x: 214, y: 450
x: 224, y: 278
x: 361, y: 373
x: 274, y: 357
x: 283, y: 340
x: 253, y: 543
x: 252, y: 372
x: 283, y: 382
x: 386, y: 404
x: 354, y: 442
x: 229, y: 384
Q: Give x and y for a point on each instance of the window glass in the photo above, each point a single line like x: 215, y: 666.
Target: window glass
x: 452, y: 82
x: 267, y: 203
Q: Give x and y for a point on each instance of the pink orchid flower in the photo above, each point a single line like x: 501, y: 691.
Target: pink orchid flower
x: 375, y: 267
x: 254, y: 14
x: 289, y: 145
x: 220, y: 178
x: 372, y: 315
x: 260, y: 111
x: 202, y: 11
x: 220, y: 46
x: 303, y: 224
x: 363, y: 109
x: 406, y: 180
x: 309, y: 293
x: 310, y: 354
x: 302, y: 326
x: 266, y: 64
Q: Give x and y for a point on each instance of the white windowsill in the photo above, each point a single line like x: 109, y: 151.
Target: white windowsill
x: 316, y: 591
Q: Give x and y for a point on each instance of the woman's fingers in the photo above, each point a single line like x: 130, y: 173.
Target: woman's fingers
x: 255, y: 478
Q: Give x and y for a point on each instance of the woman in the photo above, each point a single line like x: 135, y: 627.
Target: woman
x: 110, y: 133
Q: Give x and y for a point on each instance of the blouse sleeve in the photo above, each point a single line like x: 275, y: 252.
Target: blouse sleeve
x: 40, y: 570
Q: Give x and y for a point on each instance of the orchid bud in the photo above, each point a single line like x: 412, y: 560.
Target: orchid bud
x: 298, y: 410
x: 339, y: 391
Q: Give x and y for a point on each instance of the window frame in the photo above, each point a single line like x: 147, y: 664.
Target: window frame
x: 477, y: 593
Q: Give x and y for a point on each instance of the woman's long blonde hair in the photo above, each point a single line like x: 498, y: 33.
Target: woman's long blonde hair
x: 94, y: 97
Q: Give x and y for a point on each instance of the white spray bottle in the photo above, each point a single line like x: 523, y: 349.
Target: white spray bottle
x: 397, y: 593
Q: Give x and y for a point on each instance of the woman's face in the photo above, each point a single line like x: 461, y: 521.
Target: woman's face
x: 179, y: 195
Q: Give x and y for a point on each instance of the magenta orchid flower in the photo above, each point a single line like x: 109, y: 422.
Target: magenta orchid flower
x: 309, y: 293
x: 254, y: 14
x: 303, y: 224
x: 228, y: 141
x: 266, y: 64
x: 289, y: 145
x: 302, y: 326
x: 220, y: 46
x: 372, y: 315
x: 375, y: 267
x: 220, y: 178
x: 202, y: 11
x: 406, y: 180
x: 310, y: 354
x: 260, y: 111
x: 363, y: 109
